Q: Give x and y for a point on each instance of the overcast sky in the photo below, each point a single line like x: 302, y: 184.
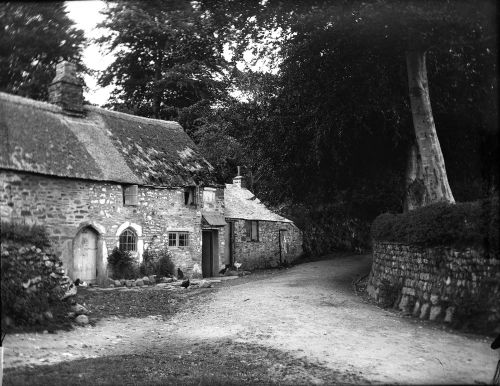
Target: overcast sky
x: 86, y: 16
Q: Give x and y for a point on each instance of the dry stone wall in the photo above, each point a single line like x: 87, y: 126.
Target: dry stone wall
x: 436, y: 283
x: 265, y: 252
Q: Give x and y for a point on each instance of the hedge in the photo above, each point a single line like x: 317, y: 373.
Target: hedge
x: 468, y: 223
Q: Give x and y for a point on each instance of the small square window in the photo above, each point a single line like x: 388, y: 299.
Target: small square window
x: 178, y: 239
x: 209, y: 195
x: 252, y: 230
x: 130, y: 195
x: 183, y: 239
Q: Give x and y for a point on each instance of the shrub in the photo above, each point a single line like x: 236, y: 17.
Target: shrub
x: 157, y: 263
x: 30, y: 285
x: 25, y: 234
x: 469, y: 223
x: 122, y: 264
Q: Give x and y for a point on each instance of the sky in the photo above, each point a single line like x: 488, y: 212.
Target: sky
x: 86, y: 16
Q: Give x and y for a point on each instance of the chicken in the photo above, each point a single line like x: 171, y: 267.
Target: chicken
x: 185, y: 283
x: 237, y: 265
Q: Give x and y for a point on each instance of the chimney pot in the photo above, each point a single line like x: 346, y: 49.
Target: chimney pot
x: 239, y: 180
x: 66, y: 90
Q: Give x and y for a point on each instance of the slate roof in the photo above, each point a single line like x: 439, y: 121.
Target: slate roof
x: 103, y: 145
x: 240, y: 203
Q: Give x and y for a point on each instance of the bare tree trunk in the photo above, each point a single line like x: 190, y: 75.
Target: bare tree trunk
x: 426, y: 181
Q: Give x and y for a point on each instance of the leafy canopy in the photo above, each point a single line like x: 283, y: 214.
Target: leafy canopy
x: 34, y: 38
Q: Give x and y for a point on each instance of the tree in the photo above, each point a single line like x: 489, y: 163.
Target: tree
x: 389, y: 30
x: 34, y: 38
x: 169, y: 62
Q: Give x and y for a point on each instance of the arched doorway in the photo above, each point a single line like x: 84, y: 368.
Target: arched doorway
x: 85, y: 255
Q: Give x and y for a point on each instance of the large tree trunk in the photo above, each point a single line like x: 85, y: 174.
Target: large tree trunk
x: 426, y: 179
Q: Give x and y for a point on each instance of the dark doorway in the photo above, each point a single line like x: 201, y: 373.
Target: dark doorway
x: 209, y: 253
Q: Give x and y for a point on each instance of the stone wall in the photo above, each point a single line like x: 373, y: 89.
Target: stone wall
x: 265, y: 252
x: 436, y: 283
x: 65, y: 206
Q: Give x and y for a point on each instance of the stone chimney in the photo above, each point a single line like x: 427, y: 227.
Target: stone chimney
x: 239, y: 180
x: 66, y: 90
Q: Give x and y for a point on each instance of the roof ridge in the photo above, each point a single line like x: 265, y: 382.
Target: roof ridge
x: 30, y: 102
x: 119, y: 114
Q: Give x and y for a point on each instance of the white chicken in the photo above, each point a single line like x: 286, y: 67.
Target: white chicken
x: 237, y: 265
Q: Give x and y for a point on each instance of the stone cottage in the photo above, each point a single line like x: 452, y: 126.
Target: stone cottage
x: 99, y: 179
x: 255, y: 236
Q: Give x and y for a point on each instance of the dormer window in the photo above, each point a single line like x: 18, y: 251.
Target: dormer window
x: 190, y: 196
x: 209, y: 195
x: 130, y: 195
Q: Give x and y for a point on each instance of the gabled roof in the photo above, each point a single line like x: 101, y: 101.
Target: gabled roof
x: 240, y: 203
x: 103, y: 145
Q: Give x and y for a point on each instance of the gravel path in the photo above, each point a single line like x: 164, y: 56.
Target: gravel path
x: 308, y: 312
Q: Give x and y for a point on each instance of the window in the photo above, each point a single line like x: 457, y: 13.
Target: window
x: 130, y: 195
x: 190, y: 196
x: 178, y: 239
x: 209, y: 195
x: 252, y: 230
x: 128, y: 240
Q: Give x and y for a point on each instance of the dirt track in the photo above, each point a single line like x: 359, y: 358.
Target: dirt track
x: 308, y: 312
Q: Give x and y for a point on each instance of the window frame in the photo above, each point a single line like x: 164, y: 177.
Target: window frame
x: 128, y: 233
x: 177, y: 239
x: 130, y: 195
x: 251, y: 234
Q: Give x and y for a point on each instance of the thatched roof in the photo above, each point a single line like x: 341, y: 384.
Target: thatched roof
x: 240, y: 203
x: 103, y: 145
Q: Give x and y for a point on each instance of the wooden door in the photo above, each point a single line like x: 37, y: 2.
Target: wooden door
x: 207, y: 255
x: 85, y: 256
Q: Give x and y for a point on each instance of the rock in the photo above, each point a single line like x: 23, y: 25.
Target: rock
x: 434, y: 299
x: 48, y: 315
x: 146, y: 281
x: 49, y: 263
x: 449, y: 314
x: 424, y: 310
x: 78, y: 309
x: 117, y: 283
x: 123, y: 282
x: 435, y: 311
x: 204, y: 284
x: 129, y: 283
x: 82, y: 320
x: 152, y: 279
x: 72, y: 291
x: 111, y: 285
x: 139, y: 282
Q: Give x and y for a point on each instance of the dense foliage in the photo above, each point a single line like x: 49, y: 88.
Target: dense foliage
x: 25, y: 233
x: 34, y: 38
x: 157, y: 262
x: 169, y: 62
x: 469, y: 223
x: 123, y: 264
x: 31, y: 292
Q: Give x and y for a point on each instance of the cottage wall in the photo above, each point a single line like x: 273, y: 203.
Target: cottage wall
x: 65, y: 206
x: 265, y: 253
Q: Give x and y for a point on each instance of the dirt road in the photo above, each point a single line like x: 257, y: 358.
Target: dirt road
x: 308, y: 312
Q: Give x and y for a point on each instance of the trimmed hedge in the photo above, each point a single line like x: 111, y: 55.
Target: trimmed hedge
x: 468, y: 223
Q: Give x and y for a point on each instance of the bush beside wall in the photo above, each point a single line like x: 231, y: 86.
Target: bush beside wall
x: 33, y: 279
x: 440, y: 262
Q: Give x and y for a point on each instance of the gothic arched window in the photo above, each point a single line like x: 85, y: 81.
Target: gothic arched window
x: 128, y: 240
